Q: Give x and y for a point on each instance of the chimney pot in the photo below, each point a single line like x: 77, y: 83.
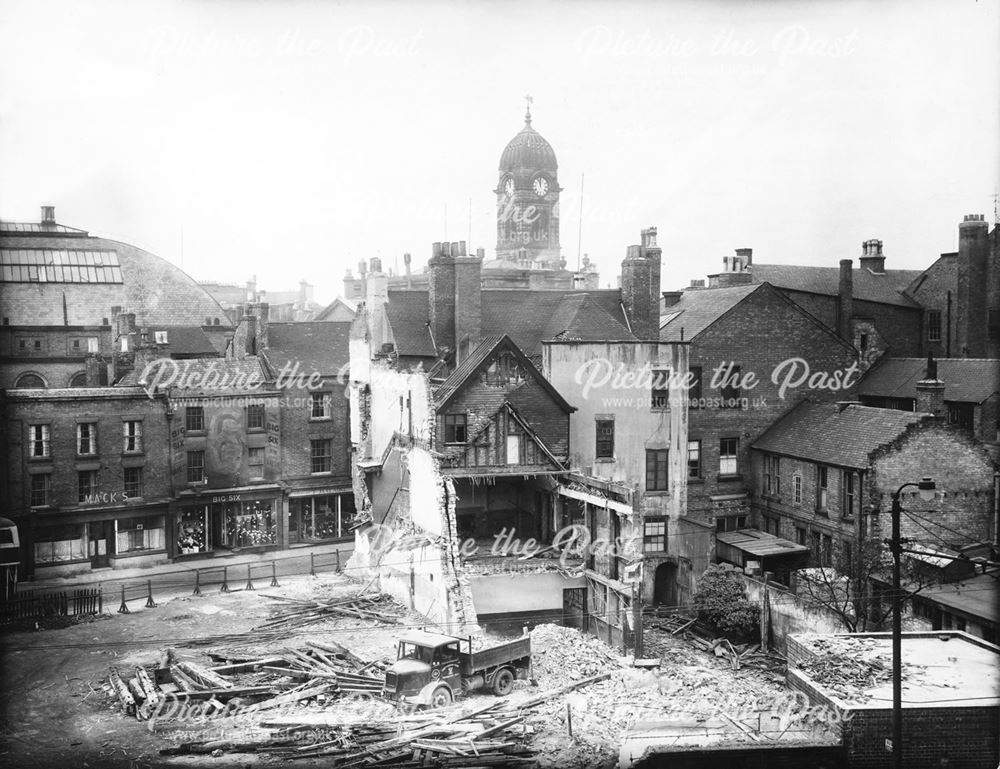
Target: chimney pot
x: 376, y: 264
x: 406, y: 259
x: 48, y: 214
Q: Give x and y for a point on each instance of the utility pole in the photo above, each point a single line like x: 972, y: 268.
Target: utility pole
x: 926, y: 487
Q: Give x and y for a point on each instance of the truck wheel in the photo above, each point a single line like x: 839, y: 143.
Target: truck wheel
x: 441, y: 697
x: 503, y: 682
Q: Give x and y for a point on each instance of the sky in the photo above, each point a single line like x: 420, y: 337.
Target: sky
x: 291, y: 140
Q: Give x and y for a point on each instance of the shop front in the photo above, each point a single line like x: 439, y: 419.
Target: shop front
x: 234, y: 519
x: 321, y: 515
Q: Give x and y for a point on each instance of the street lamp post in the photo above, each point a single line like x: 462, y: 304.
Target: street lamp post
x: 926, y: 488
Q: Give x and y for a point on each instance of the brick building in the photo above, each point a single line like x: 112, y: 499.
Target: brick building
x: 86, y: 477
x: 60, y: 290
x: 754, y: 354
x: 824, y: 476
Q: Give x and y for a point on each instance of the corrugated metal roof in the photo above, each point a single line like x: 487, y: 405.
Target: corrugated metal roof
x: 758, y: 543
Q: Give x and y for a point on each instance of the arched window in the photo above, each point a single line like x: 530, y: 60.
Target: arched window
x: 78, y: 379
x: 30, y: 380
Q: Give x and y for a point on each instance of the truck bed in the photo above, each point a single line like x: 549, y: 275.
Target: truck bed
x: 496, y: 655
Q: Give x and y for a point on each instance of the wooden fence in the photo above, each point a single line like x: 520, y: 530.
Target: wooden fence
x: 28, y: 606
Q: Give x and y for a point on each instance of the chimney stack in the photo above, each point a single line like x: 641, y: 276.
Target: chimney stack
x: 670, y: 298
x: 845, y: 303
x: 441, y: 295
x: 973, y: 266
x: 930, y: 392
x: 637, y: 284
x: 468, y: 301
x: 872, y: 258
x: 735, y: 270
x: 376, y: 298
x: 48, y: 215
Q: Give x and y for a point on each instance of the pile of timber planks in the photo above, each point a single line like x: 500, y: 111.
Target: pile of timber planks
x: 377, y: 609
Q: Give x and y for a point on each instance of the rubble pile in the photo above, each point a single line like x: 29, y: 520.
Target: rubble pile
x: 561, y: 655
x: 848, y: 667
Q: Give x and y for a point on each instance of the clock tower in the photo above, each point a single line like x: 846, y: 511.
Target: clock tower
x: 528, y: 202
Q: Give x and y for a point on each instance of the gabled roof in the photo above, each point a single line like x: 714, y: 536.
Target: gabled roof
x: 326, y: 312
x: 884, y: 288
x: 316, y: 346
x: 967, y: 380
x: 697, y: 310
x: 528, y: 316
x: 483, y: 353
x: 831, y: 435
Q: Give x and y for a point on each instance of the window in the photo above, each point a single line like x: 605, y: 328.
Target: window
x: 654, y: 535
x: 86, y: 485
x: 194, y: 419
x: 132, y: 431
x: 850, y: 500
x: 255, y: 416
x: 822, y: 488
x: 195, y: 466
x: 727, y: 456
x: 863, y: 342
x: 136, y: 534
x: 322, y: 461
x: 79, y: 379
x: 730, y: 523
x: 57, y: 544
x: 455, y: 428
x: 133, y: 482
x: 660, y: 394
x: 605, y: 445
x: 319, y: 405
x: 800, y: 535
x: 771, y: 525
x: 656, y: 469
x: 38, y: 437
x: 41, y: 488
x: 797, y: 489
x: 513, y: 449
x: 694, y: 391
x: 827, y: 552
x: 730, y: 390
x: 933, y: 325
x: 255, y: 461
x: 86, y: 438
x: 694, y: 459
x: 772, y: 476
x: 30, y: 380
x: 962, y: 414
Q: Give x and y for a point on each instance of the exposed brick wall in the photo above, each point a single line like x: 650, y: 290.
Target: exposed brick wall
x: 298, y: 429
x: 932, y: 290
x: 758, y: 334
x: 971, y: 288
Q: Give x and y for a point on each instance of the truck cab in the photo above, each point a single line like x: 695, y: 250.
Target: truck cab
x: 427, y: 670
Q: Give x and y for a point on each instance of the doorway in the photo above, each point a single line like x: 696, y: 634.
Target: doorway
x: 665, y: 585
x: 574, y: 607
x: 100, y: 533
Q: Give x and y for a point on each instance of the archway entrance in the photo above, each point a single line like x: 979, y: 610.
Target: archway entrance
x: 665, y: 585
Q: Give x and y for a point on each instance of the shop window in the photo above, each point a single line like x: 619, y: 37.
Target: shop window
x: 250, y: 524
x: 728, y: 448
x: 195, y: 466
x: 133, y: 535
x: 323, y: 517
x: 654, y: 535
x: 132, y: 432
x: 255, y: 461
x: 86, y: 485
x: 321, y: 455
x: 60, y: 544
x: 86, y: 438
x: 656, y: 469
x: 38, y: 437
x: 255, y: 416
x: 194, y: 419
x: 455, y: 428
x: 192, y: 531
x: 605, y: 443
x: 133, y: 482
x: 41, y: 490
x: 319, y: 406
x: 694, y: 459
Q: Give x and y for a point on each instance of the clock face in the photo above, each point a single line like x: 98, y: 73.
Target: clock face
x: 541, y: 186
x: 508, y: 187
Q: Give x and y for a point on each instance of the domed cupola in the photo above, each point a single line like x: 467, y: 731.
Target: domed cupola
x: 528, y: 201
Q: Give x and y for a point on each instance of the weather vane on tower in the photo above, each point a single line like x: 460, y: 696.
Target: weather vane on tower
x: 527, y: 112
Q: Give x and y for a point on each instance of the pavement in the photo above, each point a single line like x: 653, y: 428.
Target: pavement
x: 210, y: 570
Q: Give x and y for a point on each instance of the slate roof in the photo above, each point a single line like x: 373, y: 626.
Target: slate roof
x: 699, y: 309
x: 528, y: 316
x: 321, y: 346
x: 884, y: 288
x: 185, y: 340
x: 211, y: 377
x: 968, y: 380
x: 154, y: 289
x: 976, y: 596
x: 826, y: 434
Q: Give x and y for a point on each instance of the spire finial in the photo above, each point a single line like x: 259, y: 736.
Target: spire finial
x: 527, y: 112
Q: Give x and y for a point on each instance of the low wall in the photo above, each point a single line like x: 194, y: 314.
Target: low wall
x: 790, y: 614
